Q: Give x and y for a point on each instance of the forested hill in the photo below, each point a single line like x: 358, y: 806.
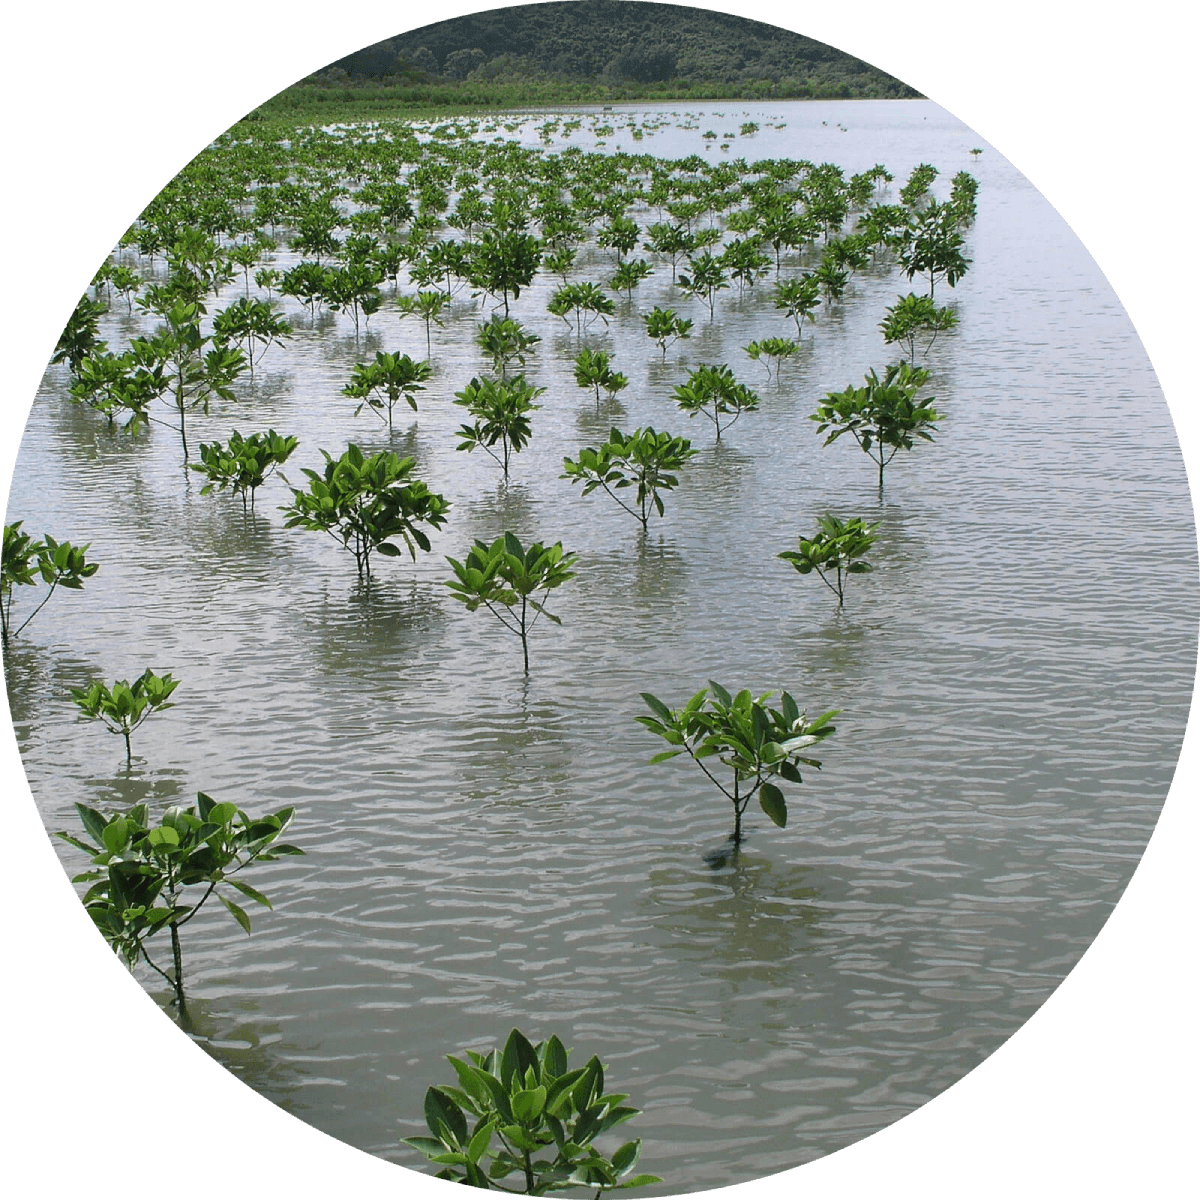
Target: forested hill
x: 617, y: 42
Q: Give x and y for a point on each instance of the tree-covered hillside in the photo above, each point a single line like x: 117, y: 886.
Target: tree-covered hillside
x: 614, y: 42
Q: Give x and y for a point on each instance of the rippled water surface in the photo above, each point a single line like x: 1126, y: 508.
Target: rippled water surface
x: 485, y: 850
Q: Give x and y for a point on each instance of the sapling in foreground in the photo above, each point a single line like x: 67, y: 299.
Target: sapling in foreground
x: 24, y: 562
x: 501, y: 410
x: 759, y: 744
x: 714, y: 391
x: 505, y: 340
x: 380, y: 385
x: 147, y: 875
x: 666, y: 327
x: 883, y: 416
x: 505, y: 577
x: 125, y: 705
x: 643, y: 459
x: 911, y: 315
x: 524, y: 1111
x: 836, y: 550
x: 362, y: 502
x: 244, y: 464
x: 592, y: 370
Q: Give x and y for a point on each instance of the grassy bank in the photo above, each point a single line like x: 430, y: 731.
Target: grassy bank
x: 306, y: 102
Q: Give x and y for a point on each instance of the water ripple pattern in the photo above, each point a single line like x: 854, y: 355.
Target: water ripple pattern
x: 485, y: 850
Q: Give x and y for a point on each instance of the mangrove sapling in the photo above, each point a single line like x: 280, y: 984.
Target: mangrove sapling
x: 629, y: 274
x: 80, y: 337
x: 501, y: 410
x: 758, y: 743
x: 505, y: 261
x: 671, y: 240
x: 306, y: 282
x: 832, y: 281
x: 247, y: 322
x: 884, y: 415
x: 528, y: 1100
x: 835, y: 549
x: 933, y: 246
x: 620, y: 234
x: 125, y: 706
x: 917, y: 187
x: 145, y: 875
x: 193, y: 374
x: 665, y: 327
x: 353, y: 288
x: 643, y: 459
x: 798, y: 299
x: 381, y: 384
x: 585, y: 300
x: 126, y: 281
x: 428, y: 306
x: 245, y: 256
x: 911, y: 315
x: 24, y: 562
x: 592, y: 370
x: 963, y: 190
x: 715, y: 392
x: 849, y: 253
x: 505, y: 576
x: 113, y: 384
x: 505, y: 340
x: 559, y: 262
x: 244, y: 464
x: 771, y: 348
x: 444, y: 262
x: 745, y: 262
x: 362, y: 502
x: 706, y: 279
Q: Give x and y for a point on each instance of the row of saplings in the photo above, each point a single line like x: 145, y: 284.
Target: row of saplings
x: 519, y: 1118
x: 517, y: 1111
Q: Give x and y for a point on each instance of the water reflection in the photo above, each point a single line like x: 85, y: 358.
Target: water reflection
x: 157, y: 788
x: 518, y: 756
x: 742, y: 915
x: 363, y: 631
x: 507, y: 508
x: 233, y: 1033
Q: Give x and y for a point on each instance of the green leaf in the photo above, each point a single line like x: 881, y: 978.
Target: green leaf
x: 527, y: 1105
x: 442, y: 1114
x: 479, y: 1142
x: 427, y: 1145
x: 663, y: 712
x: 247, y: 890
x: 93, y: 821
x: 555, y: 1057
x: 664, y: 755
x: 773, y: 803
x: 790, y: 772
x: 239, y: 914
x: 626, y: 1156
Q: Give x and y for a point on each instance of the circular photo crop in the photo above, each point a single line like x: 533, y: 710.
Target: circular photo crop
x: 597, y: 596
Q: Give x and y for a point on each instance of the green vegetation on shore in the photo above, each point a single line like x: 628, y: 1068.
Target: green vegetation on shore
x: 578, y: 52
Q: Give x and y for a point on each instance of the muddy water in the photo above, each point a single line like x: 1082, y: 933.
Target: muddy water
x: 487, y: 850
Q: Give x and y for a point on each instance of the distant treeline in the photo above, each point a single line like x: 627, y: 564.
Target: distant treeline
x: 581, y: 50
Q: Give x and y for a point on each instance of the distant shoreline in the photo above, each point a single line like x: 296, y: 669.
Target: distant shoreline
x: 303, y: 102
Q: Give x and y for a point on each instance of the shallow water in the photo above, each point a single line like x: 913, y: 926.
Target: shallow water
x: 486, y: 850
